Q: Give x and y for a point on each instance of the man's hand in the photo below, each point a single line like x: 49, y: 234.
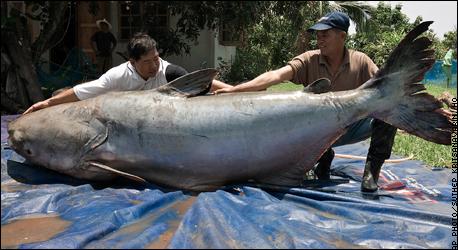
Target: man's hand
x: 445, y: 112
x: 37, y: 106
x: 224, y: 90
x: 67, y: 95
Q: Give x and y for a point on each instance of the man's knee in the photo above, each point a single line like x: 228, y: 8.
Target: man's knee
x: 358, y: 131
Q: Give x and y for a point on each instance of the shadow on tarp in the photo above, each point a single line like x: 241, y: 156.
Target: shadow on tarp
x: 44, y: 209
x: 28, y: 173
x: 35, y: 175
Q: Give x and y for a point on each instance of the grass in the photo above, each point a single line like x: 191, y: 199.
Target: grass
x: 286, y: 87
x: 431, y: 154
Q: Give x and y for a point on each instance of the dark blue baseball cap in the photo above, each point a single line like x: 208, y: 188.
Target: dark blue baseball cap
x: 335, y: 19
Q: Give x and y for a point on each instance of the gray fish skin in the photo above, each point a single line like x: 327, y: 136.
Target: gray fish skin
x: 204, y: 142
x: 176, y: 141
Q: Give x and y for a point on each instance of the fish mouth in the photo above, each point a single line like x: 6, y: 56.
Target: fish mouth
x: 11, y: 142
x: 16, y: 143
x: 9, y: 145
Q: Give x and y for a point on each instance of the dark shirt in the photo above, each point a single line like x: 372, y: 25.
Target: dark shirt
x: 103, y: 40
x: 173, y: 71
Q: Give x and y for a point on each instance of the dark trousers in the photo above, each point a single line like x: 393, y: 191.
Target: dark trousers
x: 104, y: 63
x: 382, y: 137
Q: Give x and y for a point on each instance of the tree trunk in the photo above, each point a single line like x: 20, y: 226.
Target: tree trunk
x: 21, y: 65
x: 53, y: 30
x: 20, y: 86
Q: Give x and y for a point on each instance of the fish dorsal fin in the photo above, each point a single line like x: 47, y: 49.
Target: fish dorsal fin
x: 193, y: 84
x: 103, y: 167
x: 319, y: 86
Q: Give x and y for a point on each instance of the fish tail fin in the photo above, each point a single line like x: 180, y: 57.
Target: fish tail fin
x: 402, y: 102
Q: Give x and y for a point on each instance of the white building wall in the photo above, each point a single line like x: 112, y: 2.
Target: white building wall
x: 203, y: 54
x: 223, y: 53
x: 208, y: 53
x: 200, y: 55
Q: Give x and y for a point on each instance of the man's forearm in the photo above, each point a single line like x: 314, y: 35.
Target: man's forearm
x: 64, y: 97
x: 261, y: 82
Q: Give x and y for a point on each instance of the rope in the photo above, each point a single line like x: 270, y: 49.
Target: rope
x: 364, y: 158
x: 68, y: 25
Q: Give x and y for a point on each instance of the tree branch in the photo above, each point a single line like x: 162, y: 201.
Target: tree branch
x: 57, y: 10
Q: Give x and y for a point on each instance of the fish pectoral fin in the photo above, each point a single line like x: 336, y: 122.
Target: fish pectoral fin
x: 99, y: 166
x: 193, y: 84
x: 319, y: 86
x: 101, y: 129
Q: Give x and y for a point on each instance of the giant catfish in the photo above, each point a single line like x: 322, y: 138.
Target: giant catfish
x: 178, y: 137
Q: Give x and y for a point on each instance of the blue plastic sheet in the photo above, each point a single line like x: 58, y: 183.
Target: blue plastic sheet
x: 44, y: 209
x: 436, y: 74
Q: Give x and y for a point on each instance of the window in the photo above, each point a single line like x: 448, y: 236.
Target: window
x: 228, y: 36
x: 158, y: 18
x: 132, y: 19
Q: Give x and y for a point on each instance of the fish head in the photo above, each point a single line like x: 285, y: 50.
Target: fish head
x: 49, y: 139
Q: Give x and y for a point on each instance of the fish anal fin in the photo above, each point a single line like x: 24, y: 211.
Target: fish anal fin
x: 99, y: 166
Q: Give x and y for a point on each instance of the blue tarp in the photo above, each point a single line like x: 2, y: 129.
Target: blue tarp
x: 436, y: 74
x: 44, y: 209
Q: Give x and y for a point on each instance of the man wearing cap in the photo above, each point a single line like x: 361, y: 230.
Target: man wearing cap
x: 346, y: 69
x: 103, y: 42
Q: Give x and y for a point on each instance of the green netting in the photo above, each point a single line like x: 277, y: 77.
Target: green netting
x: 77, y: 68
x: 437, y: 75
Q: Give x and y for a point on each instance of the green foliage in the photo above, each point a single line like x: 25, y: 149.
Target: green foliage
x: 273, y: 41
x: 281, y: 34
x: 269, y: 45
x: 450, y: 39
x: 274, y: 31
x: 449, y: 42
x: 271, y: 32
x: 248, y: 63
x: 195, y: 16
x: 390, y: 25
